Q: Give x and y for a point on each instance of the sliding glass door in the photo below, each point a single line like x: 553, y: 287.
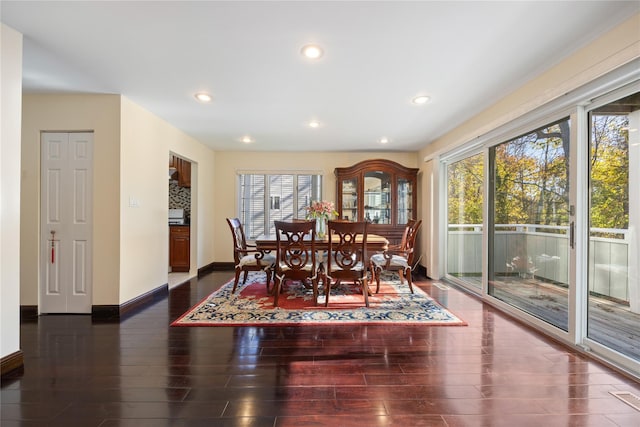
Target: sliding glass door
x: 465, y: 187
x: 529, y: 222
x: 614, y: 219
x: 555, y: 241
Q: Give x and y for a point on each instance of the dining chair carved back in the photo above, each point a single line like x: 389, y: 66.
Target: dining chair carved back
x: 397, y: 258
x: 296, y: 255
x: 347, y: 256
x: 245, y: 256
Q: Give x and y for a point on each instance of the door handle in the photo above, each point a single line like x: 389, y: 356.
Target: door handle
x: 53, y: 246
x: 572, y: 235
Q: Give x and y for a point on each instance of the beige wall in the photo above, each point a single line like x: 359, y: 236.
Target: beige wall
x: 131, y: 158
x: 144, y: 235
x: 10, y: 110
x: 97, y: 113
x: 228, y: 164
x: 616, y: 48
x: 144, y: 158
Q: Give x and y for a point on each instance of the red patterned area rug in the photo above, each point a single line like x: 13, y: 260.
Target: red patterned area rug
x: 251, y: 305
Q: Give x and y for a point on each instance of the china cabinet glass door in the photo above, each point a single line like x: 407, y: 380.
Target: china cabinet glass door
x: 405, y: 201
x: 377, y: 197
x: 350, y: 199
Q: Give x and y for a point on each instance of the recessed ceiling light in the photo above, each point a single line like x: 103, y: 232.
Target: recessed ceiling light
x: 312, y: 51
x: 247, y: 139
x: 203, y: 97
x: 314, y: 124
x: 421, y: 99
x: 384, y: 140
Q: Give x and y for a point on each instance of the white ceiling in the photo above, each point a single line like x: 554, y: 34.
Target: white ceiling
x: 378, y: 56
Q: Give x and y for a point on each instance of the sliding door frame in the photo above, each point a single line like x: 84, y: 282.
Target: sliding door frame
x: 582, y: 339
x: 445, y: 162
x: 545, y: 118
x: 576, y: 105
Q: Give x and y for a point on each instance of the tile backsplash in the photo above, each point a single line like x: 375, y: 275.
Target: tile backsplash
x: 180, y: 197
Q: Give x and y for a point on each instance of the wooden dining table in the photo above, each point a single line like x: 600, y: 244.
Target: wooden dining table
x: 375, y: 243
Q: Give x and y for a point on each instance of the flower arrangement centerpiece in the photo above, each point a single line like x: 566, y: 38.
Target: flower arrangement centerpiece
x: 322, y: 211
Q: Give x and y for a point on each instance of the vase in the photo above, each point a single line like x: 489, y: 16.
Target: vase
x: 321, y: 227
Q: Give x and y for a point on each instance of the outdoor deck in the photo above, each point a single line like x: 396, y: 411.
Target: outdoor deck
x: 610, y: 323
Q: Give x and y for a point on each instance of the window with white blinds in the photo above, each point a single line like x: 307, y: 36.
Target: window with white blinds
x: 279, y: 197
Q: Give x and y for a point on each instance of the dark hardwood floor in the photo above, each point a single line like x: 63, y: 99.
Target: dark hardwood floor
x: 141, y: 372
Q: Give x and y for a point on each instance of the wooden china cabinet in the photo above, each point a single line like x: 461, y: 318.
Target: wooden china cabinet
x: 380, y: 191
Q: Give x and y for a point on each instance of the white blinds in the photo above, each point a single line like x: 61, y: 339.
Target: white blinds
x: 266, y: 198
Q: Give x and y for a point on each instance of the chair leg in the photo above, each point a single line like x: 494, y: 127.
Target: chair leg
x: 372, y: 270
x: 235, y: 282
x: 246, y: 274
x: 314, y: 283
x: 401, y: 274
x: 365, y: 290
x: 277, y: 284
x: 408, y: 274
x: 327, y: 289
x: 268, y: 278
x: 378, y: 271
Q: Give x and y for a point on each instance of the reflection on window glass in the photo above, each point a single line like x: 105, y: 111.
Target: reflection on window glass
x: 529, y: 238
x: 614, y: 214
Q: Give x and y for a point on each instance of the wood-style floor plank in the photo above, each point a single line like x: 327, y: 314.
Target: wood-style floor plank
x: 140, y: 372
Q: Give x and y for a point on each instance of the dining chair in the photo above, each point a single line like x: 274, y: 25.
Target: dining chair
x: 246, y: 258
x: 397, y: 258
x: 296, y: 255
x: 347, y: 256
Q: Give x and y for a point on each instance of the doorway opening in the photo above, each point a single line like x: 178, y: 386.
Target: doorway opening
x: 180, y: 209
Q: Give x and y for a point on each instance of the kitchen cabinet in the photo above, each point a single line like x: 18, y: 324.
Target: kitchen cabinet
x: 183, y: 170
x: 380, y: 191
x: 184, y: 173
x: 179, y: 248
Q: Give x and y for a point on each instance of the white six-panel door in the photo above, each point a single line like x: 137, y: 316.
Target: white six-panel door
x: 66, y: 222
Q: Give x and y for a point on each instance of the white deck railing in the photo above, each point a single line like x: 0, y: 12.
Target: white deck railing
x: 542, y: 251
